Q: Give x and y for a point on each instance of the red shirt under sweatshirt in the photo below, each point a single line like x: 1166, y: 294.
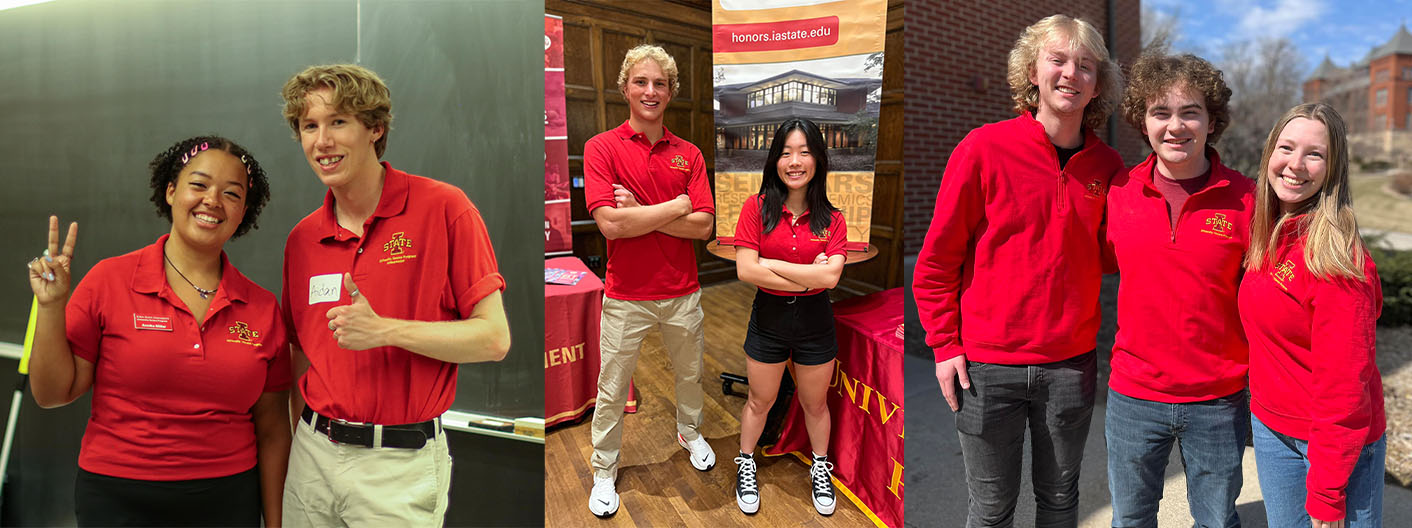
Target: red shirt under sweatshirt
x: 1010, y: 269
x: 1312, y: 369
x: 1179, y: 335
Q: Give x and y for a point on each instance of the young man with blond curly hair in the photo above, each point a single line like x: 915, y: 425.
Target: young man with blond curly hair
x: 1008, y: 277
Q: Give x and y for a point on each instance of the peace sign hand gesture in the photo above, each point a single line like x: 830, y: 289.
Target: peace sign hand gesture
x: 49, y: 274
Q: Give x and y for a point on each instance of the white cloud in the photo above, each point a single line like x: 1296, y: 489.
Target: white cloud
x: 1280, y: 19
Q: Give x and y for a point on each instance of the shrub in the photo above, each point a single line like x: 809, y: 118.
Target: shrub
x: 1395, y: 270
x: 1376, y: 166
x: 1402, y: 183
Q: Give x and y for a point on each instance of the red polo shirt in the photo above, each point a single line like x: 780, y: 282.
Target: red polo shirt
x: 655, y: 265
x: 425, y: 255
x: 172, y: 398
x: 790, y: 240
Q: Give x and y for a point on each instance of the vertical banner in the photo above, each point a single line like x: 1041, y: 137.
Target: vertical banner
x: 557, y: 236
x: 821, y: 60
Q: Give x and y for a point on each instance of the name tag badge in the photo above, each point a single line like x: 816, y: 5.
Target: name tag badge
x: 151, y: 322
x: 325, y: 288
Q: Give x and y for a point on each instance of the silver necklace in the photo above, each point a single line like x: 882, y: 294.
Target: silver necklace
x: 205, y: 293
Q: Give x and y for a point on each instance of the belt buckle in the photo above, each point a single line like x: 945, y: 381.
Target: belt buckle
x: 335, y: 421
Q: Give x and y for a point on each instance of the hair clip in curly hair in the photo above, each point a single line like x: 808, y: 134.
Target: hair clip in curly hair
x: 196, y: 149
x: 246, y: 164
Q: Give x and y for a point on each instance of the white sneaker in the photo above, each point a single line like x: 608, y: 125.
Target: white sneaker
x: 747, y: 491
x: 603, y: 500
x: 702, y: 457
x: 819, y: 476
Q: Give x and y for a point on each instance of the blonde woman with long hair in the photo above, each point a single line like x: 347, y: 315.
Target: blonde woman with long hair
x: 1309, y: 303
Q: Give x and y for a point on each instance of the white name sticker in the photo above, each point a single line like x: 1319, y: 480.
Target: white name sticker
x: 325, y: 288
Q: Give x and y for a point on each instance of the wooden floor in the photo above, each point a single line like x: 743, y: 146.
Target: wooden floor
x: 656, y: 483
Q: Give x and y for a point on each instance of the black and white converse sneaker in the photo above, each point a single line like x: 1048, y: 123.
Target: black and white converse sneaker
x: 819, y: 474
x: 747, y: 491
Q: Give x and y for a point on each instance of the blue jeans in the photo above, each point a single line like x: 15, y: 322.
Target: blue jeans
x: 1282, y: 463
x: 1211, y: 437
x: 1055, y: 402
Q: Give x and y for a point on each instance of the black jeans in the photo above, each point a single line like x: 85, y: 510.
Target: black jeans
x: 1055, y: 401
x: 101, y: 500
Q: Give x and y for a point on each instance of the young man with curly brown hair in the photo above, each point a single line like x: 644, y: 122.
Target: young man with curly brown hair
x: 1178, y: 228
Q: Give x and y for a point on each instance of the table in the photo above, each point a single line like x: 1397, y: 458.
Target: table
x: 865, y: 407
x: 571, y: 355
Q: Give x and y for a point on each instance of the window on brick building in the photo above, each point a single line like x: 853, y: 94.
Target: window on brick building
x: 1407, y: 73
x: 1381, y: 75
x: 1381, y: 123
x: 1381, y: 98
x: 1409, y: 96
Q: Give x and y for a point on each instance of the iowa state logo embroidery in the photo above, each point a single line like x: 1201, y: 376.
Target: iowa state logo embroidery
x: 679, y: 163
x: 398, y: 249
x: 822, y: 237
x: 244, y: 334
x: 1094, y: 189
x: 1284, y: 274
x: 1218, y: 225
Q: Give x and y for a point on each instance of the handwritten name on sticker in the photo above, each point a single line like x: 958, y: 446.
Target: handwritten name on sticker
x: 325, y: 288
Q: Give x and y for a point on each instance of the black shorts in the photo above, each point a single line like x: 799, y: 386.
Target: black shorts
x: 800, y: 327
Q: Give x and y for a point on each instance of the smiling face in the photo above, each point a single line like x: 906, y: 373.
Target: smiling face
x: 208, y: 199
x: 1298, y: 165
x: 1176, y: 125
x: 1067, y: 78
x: 337, y: 145
x: 648, y: 90
x: 796, y: 163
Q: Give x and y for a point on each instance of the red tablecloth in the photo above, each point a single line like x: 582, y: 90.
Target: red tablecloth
x: 865, y: 407
x: 571, y: 358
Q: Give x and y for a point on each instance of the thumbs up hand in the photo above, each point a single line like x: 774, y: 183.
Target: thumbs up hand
x: 356, y: 325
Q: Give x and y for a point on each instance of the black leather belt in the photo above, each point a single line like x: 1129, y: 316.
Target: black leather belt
x: 406, y: 436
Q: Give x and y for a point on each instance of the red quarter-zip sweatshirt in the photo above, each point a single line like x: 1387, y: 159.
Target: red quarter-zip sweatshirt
x: 1313, y: 374
x: 1010, y: 269
x: 1179, y: 335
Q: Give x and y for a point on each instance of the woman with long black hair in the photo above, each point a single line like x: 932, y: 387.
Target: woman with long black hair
x: 789, y: 242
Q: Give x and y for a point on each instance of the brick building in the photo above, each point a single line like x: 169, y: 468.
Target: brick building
x: 1374, y: 95
x: 955, y: 82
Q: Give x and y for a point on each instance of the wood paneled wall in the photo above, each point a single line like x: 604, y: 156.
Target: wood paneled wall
x: 598, y: 34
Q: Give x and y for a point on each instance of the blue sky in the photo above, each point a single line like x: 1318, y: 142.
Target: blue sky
x: 1344, y: 29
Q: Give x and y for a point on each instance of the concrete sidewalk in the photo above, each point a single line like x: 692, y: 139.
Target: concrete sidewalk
x: 1390, y: 239
x: 936, y: 487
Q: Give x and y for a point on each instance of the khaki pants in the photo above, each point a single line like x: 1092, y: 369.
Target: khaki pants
x: 624, y: 325
x: 333, y: 484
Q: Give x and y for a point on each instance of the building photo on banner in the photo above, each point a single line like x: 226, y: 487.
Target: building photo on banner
x: 724, y: 343
x: 244, y: 179
x: 1206, y: 321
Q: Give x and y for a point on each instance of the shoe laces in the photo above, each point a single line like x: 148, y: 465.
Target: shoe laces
x: 745, y: 474
x: 820, y: 471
